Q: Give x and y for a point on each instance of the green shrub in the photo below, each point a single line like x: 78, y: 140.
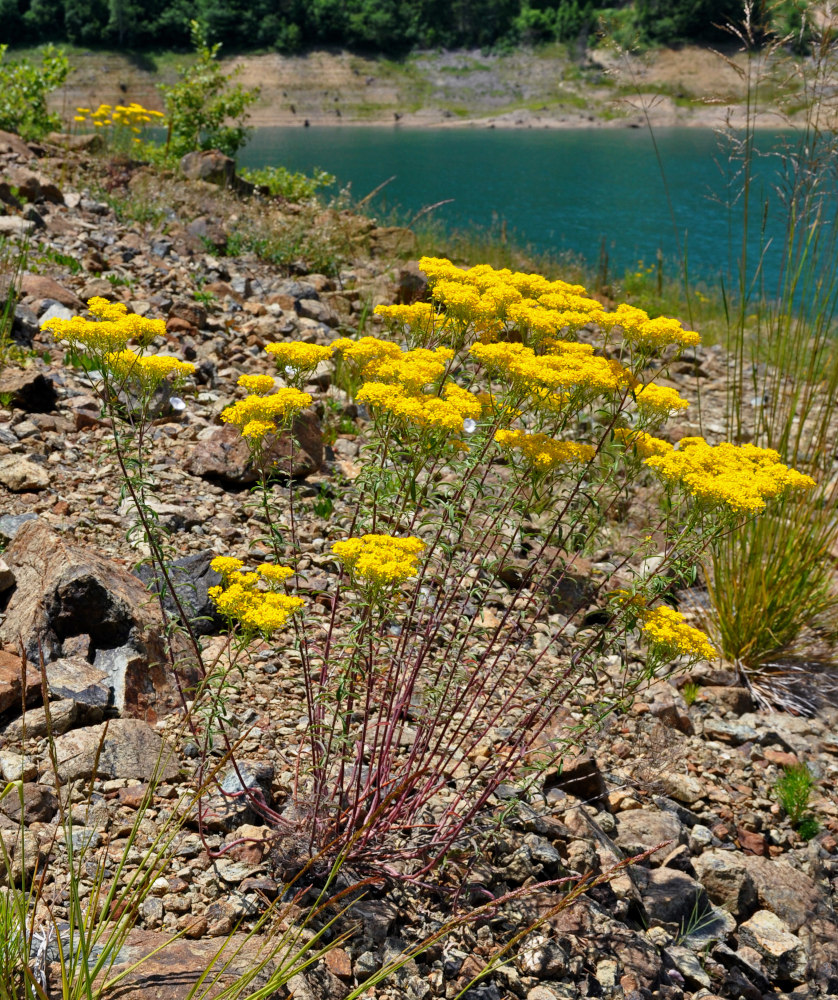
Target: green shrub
x: 793, y: 790
x: 204, y: 101
x: 287, y: 184
x: 23, y: 92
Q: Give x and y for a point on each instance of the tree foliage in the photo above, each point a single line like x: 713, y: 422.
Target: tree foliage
x: 388, y: 26
x: 23, y: 92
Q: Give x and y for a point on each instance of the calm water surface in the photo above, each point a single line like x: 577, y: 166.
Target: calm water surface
x: 556, y: 190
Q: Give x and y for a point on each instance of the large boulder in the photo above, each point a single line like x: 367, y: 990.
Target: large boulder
x: 68, y: 599
x: 209, y: 165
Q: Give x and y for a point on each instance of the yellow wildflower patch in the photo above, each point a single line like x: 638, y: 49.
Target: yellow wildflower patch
x: 739, y: 477
x: 542, y: 452
x: 380, y: 560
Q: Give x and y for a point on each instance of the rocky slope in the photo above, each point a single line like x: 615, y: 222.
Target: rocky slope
x: 734, y: 905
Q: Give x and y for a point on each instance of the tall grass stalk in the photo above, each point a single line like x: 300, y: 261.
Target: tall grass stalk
x: 772, y: 581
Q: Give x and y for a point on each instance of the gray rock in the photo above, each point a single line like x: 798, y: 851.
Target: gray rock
x: 15, y: 767
x: 120, y: 748
x: 782, y: 952
x: 639, y: 830
x: 191, y: 577
x: 40, y: 804
x: 209, y: 165
x: 726, y: 880
x: 15, y: 225
x: 33, y: 725
x: 55, y: 311
x: 10, y: 524
x: 669, y: 896
x: 543, y: 958
x: 26, y: 855
x: 64, y: 591
x: 127, y: 676
x: 81, y: 682
x: 735, y: 733
x: 20, y: 475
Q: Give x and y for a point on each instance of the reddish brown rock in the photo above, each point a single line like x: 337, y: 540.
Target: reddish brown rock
x: 15, y: 684
x: 226, y: 456
x: 39, y: 287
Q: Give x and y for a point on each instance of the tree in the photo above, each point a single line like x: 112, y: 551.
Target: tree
x: 206, y: 110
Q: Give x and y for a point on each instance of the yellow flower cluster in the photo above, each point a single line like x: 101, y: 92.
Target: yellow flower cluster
x: 643, y: 444
x: 259, y: 384
x: 650, y: 334
x: 494, y: 300
x: 426, y: 412
x: 110, y: 330
x: 657, y: 402
x: 380, y: 560
x: 420, y: 315
x: 299, y: 356
x: 243, y: 597
x: 359, y: 353
x: 256, y: 416
x: 543, y: 452
x: 133, y: 116
x: 413, y: 370
x: 669, y: 635
x: 150, y: 370
x: 563, y: 372
x: 739, y: 477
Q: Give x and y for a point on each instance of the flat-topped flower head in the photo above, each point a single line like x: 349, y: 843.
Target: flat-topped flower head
x: 300, y: 357
x: 258, y: 384
x: 380, y: 561
x: 740, y: 478
x: 415, y: 408
x: 149, y: 370
x: 261, y: 415
x: 642, y: 444
x: 543, y: 453
x: 413, y: 370
x: 657, y: 402
x: 668, y: 633
x: 359, y: 353
x: 650, y: 334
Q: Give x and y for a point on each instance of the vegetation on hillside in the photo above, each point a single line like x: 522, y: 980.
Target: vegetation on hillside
x: 388, y: 26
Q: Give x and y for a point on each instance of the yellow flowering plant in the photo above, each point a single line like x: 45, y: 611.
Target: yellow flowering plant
x: 503, y: 438
x: 122, y: 125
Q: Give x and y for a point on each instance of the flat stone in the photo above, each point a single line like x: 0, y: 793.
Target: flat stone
x: 735, y: 733
x: 55, y: 311
x: 15, y: 225
x: 639, y: 830
x: 80, y: 681
x: 119, y: 748
x: 40, y: 287
x: 682, y: 787
x: 20, y: 475
x: 10, y: 524
x: 33, y: 725
x: 7, y: 577
x: 782, y: 952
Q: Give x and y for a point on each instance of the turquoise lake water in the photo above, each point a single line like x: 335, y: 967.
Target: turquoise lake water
x: 556, y: 190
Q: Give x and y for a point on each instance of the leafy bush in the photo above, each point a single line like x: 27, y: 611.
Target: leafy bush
x: 203, y: 101
x: 287, y: 184
x: 23, y: 92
